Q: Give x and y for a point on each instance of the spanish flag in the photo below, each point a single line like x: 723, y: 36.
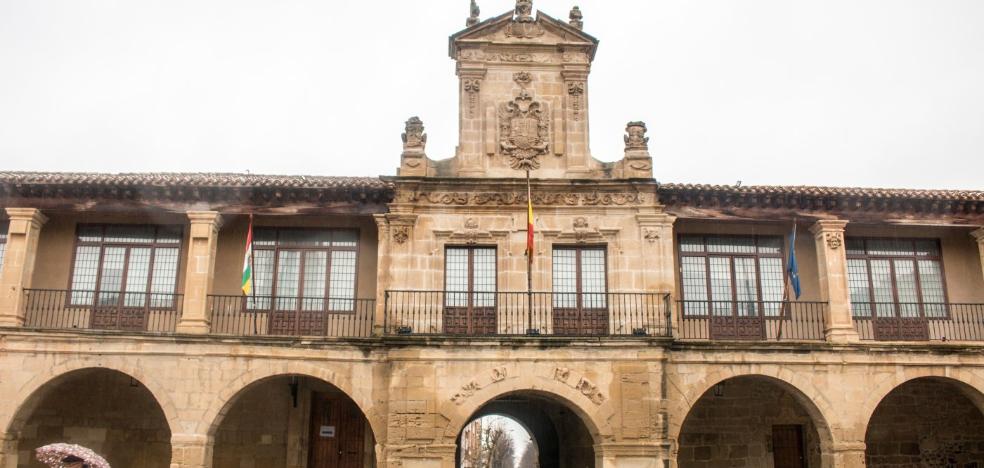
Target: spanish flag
x: 529, y: 222
x: 247, y: 284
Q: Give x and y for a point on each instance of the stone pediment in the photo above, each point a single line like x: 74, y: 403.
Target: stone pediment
x: 506, y: 30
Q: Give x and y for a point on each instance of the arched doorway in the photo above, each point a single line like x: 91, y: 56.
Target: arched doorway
x: 102, y: 409
x: 497, y: 441
x: 753, y: 421
x: 559, y: 436
x: 293, y: 420
x: 926, y: 422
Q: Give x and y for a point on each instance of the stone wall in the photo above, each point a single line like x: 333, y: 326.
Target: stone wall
x: 926, y: 423
x: 104, y: 410
x: 735, y: 429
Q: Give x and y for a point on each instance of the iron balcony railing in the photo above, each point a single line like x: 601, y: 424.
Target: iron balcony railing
x: 893, y: 321
x: 102, y: 310
x: 523, y: 313
x: 752, y: 320
x: 291, y: 316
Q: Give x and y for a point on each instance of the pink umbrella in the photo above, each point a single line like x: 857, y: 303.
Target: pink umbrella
x: 69, y: 456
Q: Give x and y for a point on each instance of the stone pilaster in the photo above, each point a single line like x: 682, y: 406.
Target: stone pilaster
x: 832, y: 268
x: 656, y: 232
x: 979, y: 236
x: 191, y: 451
x: 383, y: 275
x: 18, y: 265
x: 635, y: 455
x: 200, y: 271
x: 8, y: 450
x: 471, y: 120
x: 575, y: 132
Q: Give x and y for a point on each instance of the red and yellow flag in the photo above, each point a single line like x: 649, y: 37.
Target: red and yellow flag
x: 529, y: 222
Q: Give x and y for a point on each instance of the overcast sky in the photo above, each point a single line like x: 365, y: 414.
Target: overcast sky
x: 832, y: 92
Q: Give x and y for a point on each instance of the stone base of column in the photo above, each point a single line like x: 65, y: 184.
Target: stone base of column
x: 191, y: 451
x: 848, y: 455
x: 842, y: 335
x: 195, y: 327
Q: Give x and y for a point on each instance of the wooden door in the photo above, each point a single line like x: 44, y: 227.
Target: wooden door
x: 337, y: 433
x: 580, y: 284
x: 470, y: 285
x: 787, y: 446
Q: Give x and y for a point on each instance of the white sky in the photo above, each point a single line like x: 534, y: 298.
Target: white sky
x: 833, y: 92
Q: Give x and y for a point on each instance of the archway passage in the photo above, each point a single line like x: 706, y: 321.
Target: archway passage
x: 926, y: 422
x: 559, y: 435
x: 105, y: 410
x: 750, y: 421
x: 292, y: 421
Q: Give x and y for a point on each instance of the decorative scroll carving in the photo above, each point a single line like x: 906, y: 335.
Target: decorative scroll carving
x: 498, y: 374
x: 635, y: 137
x: 472, y: 87
x: 476, y: 55
x: 524, y: 129
x: 576, y: 90
x: 834, y: 240
x: 414, y: 136
x: 519, y: 198
x: 561, y: 374
x: 467, y: 390
x: 590, y: 390
x: 401, y: 234
x: 522, y: 78
x: 577, y: 18
x: 473, y: 16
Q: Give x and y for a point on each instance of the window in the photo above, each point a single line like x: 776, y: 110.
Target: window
x: 469, y: 276
x: 579, y: 277
x: 727, y: 275
x: 304, y: 269
x: 896, y: 277
x: 128, y: 263
x: 3, y: 241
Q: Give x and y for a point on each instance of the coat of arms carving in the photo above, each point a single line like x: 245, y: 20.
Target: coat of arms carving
x: 524, y: 131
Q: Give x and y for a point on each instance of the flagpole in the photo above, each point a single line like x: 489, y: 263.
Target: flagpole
x: 785, y: 287
x: 529, y: 259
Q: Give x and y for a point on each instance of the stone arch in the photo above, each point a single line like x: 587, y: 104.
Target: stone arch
x: 227, y: 397
x: 810, y: 398
x: 30, y: 394
x: 968, y: 382
x: 594, y: 416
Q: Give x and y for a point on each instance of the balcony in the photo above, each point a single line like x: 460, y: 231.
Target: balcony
x: 291, y: 316
x: 451, y: 313
x: 919, y: 321
x: 752, y: 320
x: 102, y: 310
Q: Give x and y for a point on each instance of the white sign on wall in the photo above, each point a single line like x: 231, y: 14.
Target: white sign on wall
x: 327, y: 431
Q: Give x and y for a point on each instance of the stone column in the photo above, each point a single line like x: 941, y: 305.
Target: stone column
x: 191, y: 451
x: 979, y: 236
x: 200, y: 271
x: 832, y: 268
x: 847, y: 455
x: 656, y: 237
x: 18, y: 264
x: 8, y: 450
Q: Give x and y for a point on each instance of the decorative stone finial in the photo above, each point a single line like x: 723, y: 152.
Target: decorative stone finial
x: 473, y: 17
x: 524, y: 11
x: 635, y: 137
x: 577, y: 19
x: 414, y: 136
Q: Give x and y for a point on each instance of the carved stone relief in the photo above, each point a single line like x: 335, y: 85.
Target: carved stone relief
x: 524, y: 129
x: 834, y: 240
x: 651, y: 235
x: 414, y: 136
x: 472, y: 87
x: 590, y: 390
x: 475, y: 55
x: 635, y: 137
x: 519, y: 198
x: 401, y: 234
x: 523, y: 78
x: 576, y: 90
x: 580, y: 223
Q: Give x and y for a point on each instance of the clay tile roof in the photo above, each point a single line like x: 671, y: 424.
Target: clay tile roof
x: 811, y: 191
x: 164, y: 179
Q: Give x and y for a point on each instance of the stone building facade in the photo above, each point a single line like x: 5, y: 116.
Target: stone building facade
x: 654, y: 329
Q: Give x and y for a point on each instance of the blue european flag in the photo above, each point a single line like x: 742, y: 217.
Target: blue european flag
x: 792, y: 268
